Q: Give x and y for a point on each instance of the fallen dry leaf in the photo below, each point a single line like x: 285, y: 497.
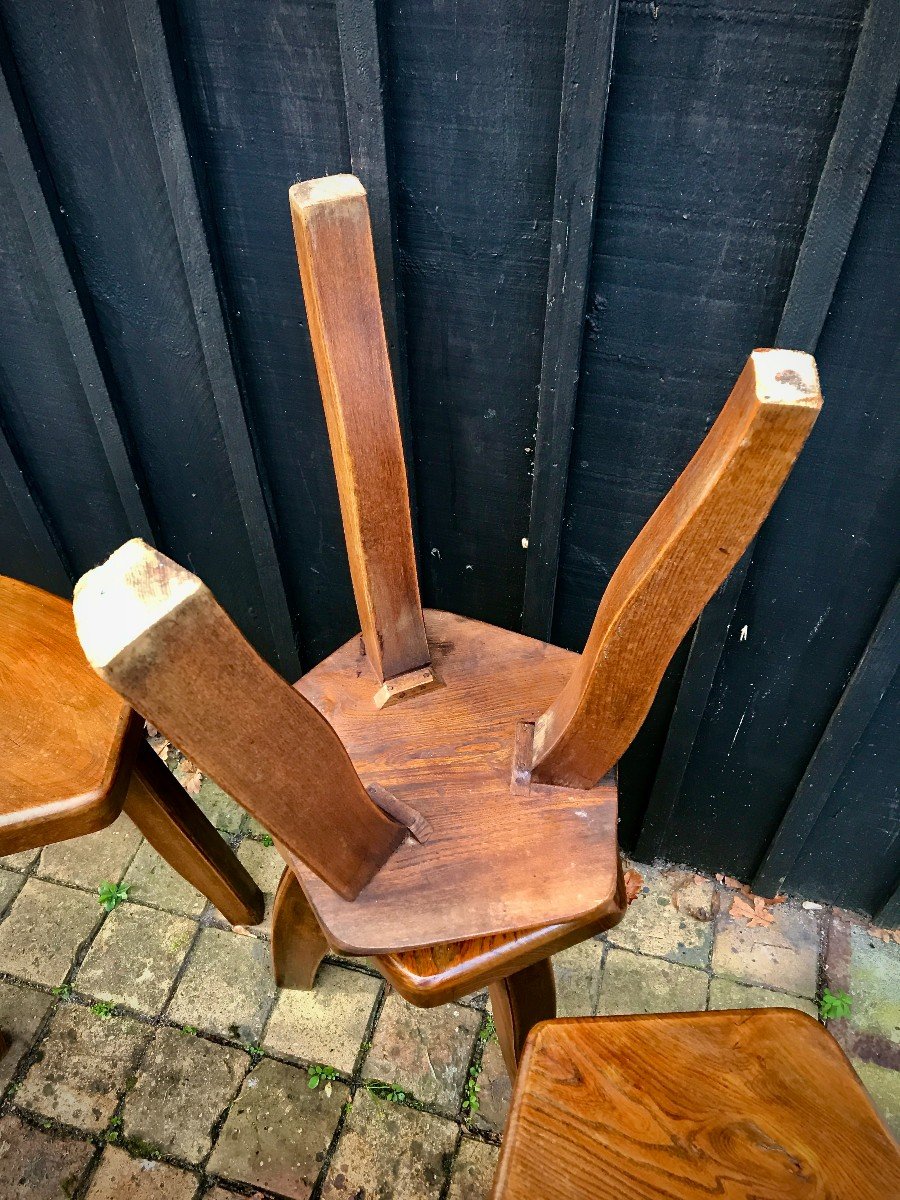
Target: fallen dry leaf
x: 757, y: 916
x: 192, y: 780
x: 634, y: 881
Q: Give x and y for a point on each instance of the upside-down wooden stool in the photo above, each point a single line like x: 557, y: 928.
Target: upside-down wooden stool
x: 754, y: 1105
x: 73, y: 755
x: 443, y: 791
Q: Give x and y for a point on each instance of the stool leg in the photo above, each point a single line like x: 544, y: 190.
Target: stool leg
x: 518, y: 1002
x: 177, y: 829
x: 298, y: 943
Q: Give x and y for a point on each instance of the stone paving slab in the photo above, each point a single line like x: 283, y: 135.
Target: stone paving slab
x: 577, y: 974
x: 94, y: 858
x: 21, y: 861
x: 86, y: 1061
x: 672, y: 918
x: 121, y: 1177
x: 783, y: 955
x: 135, y: 957
x: 425, y: 1051
x: 278, y: 1131
x: 154, y: 882
x: 883, y: 1085
x: 22, y: 1009
x: 10, y: 886
x: 495, y: 1090
x: 728, y: 993
x: 632, y: 983
x: 184, y: 1086
x: 227, y: 987
x: 265, y: 864
x: 387, y: 1150
x: 473, y: 1171
x: 874, y: 985
x: 44, y: 930
x: 38, y: 1165
x: 327, y: 1023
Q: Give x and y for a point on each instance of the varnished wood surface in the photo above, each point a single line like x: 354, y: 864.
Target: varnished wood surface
x: 343, y: 305
x: 65, y: 736
x: 495, y: 860
x: 750, y: 1105
x: 154, y: 632
x: 518, y: 1002
x: 181, y: 834
x: 298, y: 943
x: 676, y: 563
x: 435, y: 975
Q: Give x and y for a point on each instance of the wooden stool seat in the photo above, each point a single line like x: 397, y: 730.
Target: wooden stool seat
x: 751, y: 1105
x: 447, y: 752
x: 62, y: 729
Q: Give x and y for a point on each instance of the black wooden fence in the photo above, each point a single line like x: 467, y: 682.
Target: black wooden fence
x: 587, y: 214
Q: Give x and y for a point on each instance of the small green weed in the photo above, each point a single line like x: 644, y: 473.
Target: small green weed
x: 189, y: 1030
x: 64, y: 990
x: 470, y: 1101
x: 834, y: 1004
x: 489, y: 1031
x: 266, y: 840
x: 316, y: 1073
x: 113, y: 894
x: 385, y: 1091
x: 103, y: 1009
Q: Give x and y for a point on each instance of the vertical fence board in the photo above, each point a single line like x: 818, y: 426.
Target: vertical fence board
x: 823, y: 568
x: 842, y: 185
x: 590, y: 35
x: 855, y: 709
x: 268, y: 101
x: 475, y: 96
x: 158, y: 86
x: 81, y: 81
x: 27, y: 549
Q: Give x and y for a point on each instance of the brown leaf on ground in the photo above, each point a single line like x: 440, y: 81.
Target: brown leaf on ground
x: 634, y: 881
x: 192, y: 780
x: 756, y: 915
x: 885, y: 935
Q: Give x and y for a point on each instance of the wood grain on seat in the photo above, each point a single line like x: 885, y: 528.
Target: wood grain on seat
x: 63, y: 731
x: 751, y: 1105
x: 498, y: 859
x: 436, y: 975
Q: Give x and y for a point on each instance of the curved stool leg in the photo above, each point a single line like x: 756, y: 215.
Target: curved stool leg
x: 518, y: 1002
x: 298, y: 943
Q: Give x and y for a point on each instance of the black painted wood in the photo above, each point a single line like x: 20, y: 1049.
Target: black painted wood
x: 888, y: 916
x: 823, y: 569
x: 61, y: 287
x: 590, y: 37
x: 475, y: 99
x: 852, y: 856
x: 28, y: 550
x: 851, y: 157
x: 161, y: 145
x: 151, y: 56
x: 83, y: 87
x: 370, y: 160
x: 856, y: 708
x: 267, y: 100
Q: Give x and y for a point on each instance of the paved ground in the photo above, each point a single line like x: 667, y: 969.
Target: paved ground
x: 153, y: 1057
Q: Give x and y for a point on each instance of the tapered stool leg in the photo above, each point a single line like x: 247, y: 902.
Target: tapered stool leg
x: 298, y: 943
x: 518, y: 1002
x: 180, y: 833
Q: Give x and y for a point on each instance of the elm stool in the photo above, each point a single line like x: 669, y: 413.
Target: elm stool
x: 443, y: 791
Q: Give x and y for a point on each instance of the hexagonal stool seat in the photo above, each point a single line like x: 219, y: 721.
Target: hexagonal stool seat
x: 753, y: 1105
